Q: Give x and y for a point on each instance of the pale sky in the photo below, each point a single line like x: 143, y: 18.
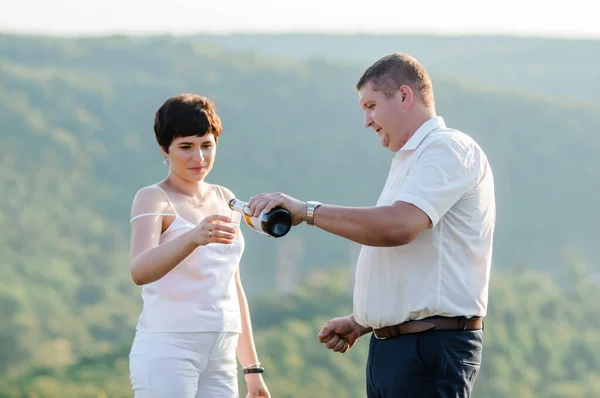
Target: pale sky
x: 573, y: 18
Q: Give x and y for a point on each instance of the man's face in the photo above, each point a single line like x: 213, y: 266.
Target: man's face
x: 387, y: 116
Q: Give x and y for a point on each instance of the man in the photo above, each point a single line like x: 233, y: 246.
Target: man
x: 422, y: 275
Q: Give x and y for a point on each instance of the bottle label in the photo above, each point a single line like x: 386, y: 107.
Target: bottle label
x: 254, y: 223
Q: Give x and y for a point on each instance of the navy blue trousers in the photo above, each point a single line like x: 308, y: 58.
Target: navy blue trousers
x: 432, y: 364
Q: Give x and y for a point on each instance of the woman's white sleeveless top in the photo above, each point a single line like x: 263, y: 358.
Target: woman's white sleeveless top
x: 200, y: 293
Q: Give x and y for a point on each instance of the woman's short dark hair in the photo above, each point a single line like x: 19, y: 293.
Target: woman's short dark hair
x: 185, y: 115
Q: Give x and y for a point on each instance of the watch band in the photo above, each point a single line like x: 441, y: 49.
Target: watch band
x: 258, y: 369
x: 310, y: 212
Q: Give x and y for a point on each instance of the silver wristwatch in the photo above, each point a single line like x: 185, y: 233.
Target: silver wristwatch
x: 311, y: 205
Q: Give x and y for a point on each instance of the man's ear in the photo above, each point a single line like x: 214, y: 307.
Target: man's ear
x: 406, y: 95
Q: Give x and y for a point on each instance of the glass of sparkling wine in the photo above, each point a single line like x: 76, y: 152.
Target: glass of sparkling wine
x: 235, y: 222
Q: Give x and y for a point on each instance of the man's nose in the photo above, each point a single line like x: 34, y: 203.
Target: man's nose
x: 368, y: 119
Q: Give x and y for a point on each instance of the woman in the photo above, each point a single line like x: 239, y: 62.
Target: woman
x: 185, y: 252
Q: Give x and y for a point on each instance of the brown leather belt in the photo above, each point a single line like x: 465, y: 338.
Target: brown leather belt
x: 433, y: 323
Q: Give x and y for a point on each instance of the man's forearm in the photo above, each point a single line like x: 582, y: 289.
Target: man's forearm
x: 370, y: 226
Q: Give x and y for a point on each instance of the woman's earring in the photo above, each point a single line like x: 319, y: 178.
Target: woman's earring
x: 166, y: 161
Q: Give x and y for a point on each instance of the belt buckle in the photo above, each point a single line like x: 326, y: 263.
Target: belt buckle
x: 377, y: 337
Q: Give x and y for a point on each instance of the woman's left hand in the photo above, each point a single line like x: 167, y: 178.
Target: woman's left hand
x: 256, y: 386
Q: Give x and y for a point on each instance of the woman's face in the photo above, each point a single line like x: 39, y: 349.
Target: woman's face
x: 191, y: 158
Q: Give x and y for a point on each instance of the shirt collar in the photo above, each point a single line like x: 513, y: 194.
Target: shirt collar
x: 419, y: 135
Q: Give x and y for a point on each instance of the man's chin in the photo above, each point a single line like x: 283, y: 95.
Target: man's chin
x: 385, y: 142
x: 393, y: 148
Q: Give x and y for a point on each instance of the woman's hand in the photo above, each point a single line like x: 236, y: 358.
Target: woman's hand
x: 214, y: 229
x: 256, y: 386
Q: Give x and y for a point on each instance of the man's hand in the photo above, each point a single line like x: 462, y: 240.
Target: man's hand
x: 340, y: 334
x: 268, y: 201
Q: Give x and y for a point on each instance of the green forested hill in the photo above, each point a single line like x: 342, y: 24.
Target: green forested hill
x: 540, y: 341
x: 76, y: 142
x: 559, y: 69
x: 290, y: 126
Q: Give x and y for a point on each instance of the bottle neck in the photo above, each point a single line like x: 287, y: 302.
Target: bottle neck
x: 238, y: 205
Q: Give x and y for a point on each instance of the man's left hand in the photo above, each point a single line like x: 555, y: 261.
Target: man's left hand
x: 268, y: 201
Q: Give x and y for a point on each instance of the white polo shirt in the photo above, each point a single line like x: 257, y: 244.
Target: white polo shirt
x: 445, y: 270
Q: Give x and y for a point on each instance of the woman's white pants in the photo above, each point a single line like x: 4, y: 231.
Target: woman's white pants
x: 184, y: 365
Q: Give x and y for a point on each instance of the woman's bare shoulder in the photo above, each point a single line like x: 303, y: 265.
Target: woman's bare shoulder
x: 149, y: 199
